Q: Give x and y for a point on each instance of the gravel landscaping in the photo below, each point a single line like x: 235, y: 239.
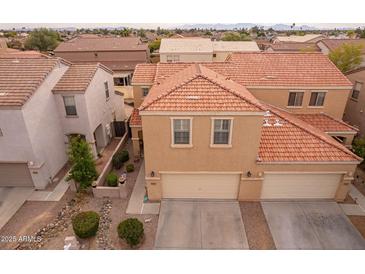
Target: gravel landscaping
x: 257, y: 230
x: 51, y: 221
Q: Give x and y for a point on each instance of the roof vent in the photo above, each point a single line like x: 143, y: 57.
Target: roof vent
x: 267, y: 113
x: 268, y: 77
x: 15, y: 61
x: 193, y: 97
x: 3, y: 93
x: 277, y: 123
x: 266, y: 123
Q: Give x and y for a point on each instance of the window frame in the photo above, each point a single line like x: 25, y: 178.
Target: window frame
x: 358, y: 91
x: 324, y: 98
x: 148, y: 91
x: 106, y: 90
x: 212, y: 144
x: 190, y: 144
x: 296, y: 92
x: 64, y: 104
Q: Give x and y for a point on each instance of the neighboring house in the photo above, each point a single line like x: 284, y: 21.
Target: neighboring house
x: 307, y: 38
x: 119, y: 54
x: 328, y: 45
x: 293, y: 47
x: 355, y: 108
x: 201, y: 49
x: 259, y: 126
x: 43, y: 102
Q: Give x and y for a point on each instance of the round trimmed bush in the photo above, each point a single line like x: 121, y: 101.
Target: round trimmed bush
x: 86, y: 224
x: 131, y: 230
x: 117, y: 160
x: 129, y: 168
x: 112, y: 179
x: 124, y: 156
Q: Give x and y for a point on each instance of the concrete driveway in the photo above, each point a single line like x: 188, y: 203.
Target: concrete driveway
x: 187, y: 224
x: 311, y: 225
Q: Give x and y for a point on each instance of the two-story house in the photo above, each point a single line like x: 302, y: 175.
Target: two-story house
x: 256, y: 127
x: 44, y: 101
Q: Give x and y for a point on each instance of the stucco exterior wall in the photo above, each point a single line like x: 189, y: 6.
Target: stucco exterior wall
x: 354, y: 112
x: 43, y: 125
x: 188, y: 57
x: 138, y: 95
x: 334, y: 102
x: 221, y: 56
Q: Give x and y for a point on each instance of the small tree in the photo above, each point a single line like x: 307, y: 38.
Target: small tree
x: 346, y: 57
x: 154, y: 45
x: 42, y: 39
x: 83, y: 168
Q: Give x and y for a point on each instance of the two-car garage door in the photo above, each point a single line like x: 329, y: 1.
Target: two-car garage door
x: 15, y: 174
x: 200, y: 186
x: 300, y: 186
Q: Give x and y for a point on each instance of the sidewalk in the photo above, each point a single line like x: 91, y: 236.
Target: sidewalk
x: 136, y: 204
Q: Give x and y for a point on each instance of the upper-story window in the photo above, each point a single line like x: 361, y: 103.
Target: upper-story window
x: 106, y: 87
x: 317, y: 98
x: 356, y: 90
x: 173, y: 58
x: 181, y: 128
x: 70, y: 105
x: 145, y: 91
x: 295, y: 98
x: 222, y: 131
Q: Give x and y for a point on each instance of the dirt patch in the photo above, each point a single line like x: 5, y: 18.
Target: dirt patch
x: 31, y: 217
x: 257, y: 230
x: 359, y: 223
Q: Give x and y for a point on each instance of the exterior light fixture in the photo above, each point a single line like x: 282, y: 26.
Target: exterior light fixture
x: 248, y: 174
x: 152, y: 174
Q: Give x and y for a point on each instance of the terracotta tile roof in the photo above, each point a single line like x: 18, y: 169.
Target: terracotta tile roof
x: 261, y: 69
x: 78, y: 77
x: 326, y: 122
x: 297, y: 141
x: 295, y: 46
x: 102, y: 44
x: 21, y: 77
x: 197, y: 88
x: 333, y: 44
x: 14, y: 53
x: 286, y: 69
x: 135, y: 118
x: 115, y: 66
x: 144, y: 73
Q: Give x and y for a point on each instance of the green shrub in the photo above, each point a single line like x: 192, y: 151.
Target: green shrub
x: 112, y: 179
x: 124, y: 156
x: 117, y: 160
x: 131, y: 230
x: 129, y: 168
x: 86, y: 224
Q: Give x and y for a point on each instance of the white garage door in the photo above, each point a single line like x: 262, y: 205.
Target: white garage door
x: 201, y: 186
x: 300, y: 186
x: 15, y: 174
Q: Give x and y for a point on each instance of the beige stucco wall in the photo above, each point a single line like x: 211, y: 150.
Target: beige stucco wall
x: 189, y: 57
x: 138, y: 95
x: 241, y: 157
x: 221, y: 56
x: 334, y: 103
x: 354, y: 112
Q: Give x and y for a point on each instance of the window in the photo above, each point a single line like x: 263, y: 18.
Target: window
x: 356, y: 90
x: 221, y: 134
x: 70, y: 105
x: 295, y: 99
x: 317, y: 99
x: 181, y: 131
x: 173, y: 58
x: 106, y: 86
x: 145, y: 91
x: 122, y: 81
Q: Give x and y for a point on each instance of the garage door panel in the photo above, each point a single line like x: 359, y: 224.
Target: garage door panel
x: 300, y: 186
x: 200, y: 186
x: 15, y: 174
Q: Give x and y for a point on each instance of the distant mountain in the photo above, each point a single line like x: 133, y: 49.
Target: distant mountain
x: 288, y: 27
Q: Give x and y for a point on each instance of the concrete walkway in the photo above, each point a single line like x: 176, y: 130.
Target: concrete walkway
x: 357, y: 209
x: 136, y: 204
x: 50, y: 196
